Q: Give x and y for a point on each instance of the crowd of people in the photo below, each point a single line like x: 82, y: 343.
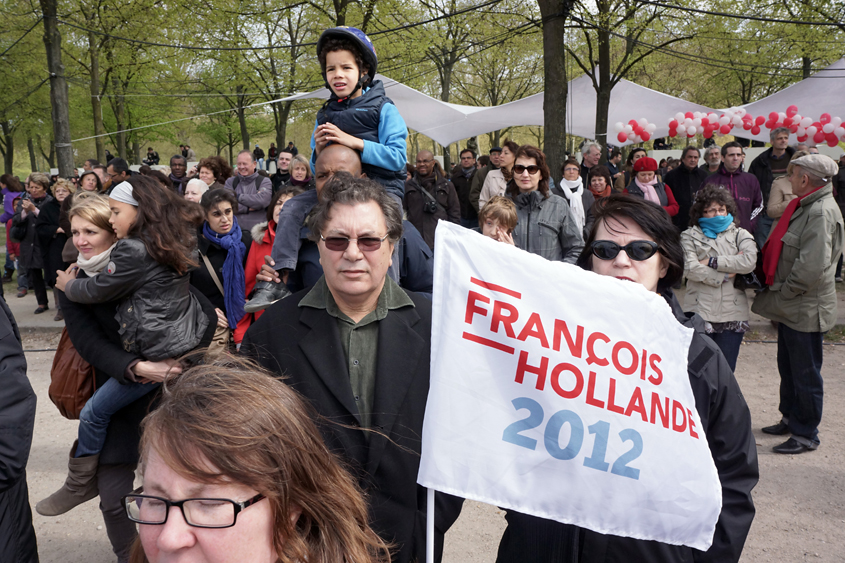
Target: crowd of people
x: 277, y: 329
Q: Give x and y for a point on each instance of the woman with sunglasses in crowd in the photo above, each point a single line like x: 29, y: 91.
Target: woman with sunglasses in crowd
x: 545, y: 225
x: 234, y: 450
x: 634, y: 241
x: 716, y: 250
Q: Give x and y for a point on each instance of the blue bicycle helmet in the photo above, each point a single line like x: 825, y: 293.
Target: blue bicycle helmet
x: 360, y: 39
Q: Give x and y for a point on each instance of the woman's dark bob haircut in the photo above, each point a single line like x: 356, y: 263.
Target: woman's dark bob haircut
x: 212, y: 198
x: 652, y: 219
x: 711, y: 194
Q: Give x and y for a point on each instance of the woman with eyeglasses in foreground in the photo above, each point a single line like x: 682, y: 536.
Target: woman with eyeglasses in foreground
x: 635, y: 241
x: 545, y: 225
x: 234, y: 470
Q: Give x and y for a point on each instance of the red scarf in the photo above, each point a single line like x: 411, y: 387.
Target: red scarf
x: 601, y: 194
x: 774, y: 244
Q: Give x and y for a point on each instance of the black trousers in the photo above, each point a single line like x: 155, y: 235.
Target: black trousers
x: 115, y: 481
x: 36, y: 276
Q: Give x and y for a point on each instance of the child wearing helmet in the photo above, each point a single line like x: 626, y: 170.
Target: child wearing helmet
x: 357, y: 115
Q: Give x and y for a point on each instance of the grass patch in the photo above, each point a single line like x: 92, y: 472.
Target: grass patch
x: 836, y: 334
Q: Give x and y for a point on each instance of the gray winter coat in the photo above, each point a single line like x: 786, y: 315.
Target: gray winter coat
x: 159, y: 318
x: 546, y: 227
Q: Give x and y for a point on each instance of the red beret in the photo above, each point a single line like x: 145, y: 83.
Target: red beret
x: 645, y: 164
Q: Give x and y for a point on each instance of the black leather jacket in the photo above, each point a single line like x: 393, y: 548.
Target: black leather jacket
x: 158, y: 316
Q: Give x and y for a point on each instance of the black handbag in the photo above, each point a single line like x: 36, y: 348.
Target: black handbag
x: 752, y: 280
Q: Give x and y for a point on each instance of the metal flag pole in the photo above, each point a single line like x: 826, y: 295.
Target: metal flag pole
x: 429, y: 526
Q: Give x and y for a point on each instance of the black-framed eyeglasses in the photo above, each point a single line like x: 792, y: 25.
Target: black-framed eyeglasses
x: 365, y: 244
x: 197, y: 512
x: 638, y: 250
x: 519, y: 169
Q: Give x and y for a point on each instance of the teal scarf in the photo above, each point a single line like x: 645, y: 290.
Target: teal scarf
x: 712, y: 226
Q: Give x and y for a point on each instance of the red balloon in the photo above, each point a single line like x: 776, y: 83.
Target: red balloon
x: 787, y: 122
x: 793, y: 128
x: 633, y: 123
x: 622, y: 137
x: 689, y: 114
x: 824, y: 118
x: 791, y: 110
x: 831, y: 137
x: 833, y: 143
x: 755, y: 130
x: 645, y: 136
x: 760, y: 120
x: 708, y: 133
x: 802, y: 138
x: 673, y: 132
x: 819, y: 137
x: 817, y: 125
x: 770, y: 124
x: 725, y: 129
x: 747, y: 125
x: 773, y: 116
x: 705, y: 121
x: 673, y: 124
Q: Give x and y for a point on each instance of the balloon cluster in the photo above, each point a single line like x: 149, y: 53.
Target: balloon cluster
x: 692, y: 123
x: 637, y: 130
x: 827, y: 129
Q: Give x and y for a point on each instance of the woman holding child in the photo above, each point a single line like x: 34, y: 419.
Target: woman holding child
x: 95, y: 332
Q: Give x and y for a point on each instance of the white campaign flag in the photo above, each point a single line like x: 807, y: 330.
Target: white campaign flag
x: 563, y: 394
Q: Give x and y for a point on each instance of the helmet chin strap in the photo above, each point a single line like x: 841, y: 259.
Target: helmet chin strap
x: 362, y: 79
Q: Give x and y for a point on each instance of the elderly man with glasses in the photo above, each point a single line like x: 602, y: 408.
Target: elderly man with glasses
x: 357, y: 346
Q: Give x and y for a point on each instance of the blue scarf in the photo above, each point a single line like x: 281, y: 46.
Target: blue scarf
x: 712, y: 226
x: 234, y: 281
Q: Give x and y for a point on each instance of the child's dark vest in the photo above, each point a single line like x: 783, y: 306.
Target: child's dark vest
x: 360, y: 118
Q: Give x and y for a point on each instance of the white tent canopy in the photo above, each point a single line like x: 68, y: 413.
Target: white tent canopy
x: 818, y: 94
x: 447, y: 123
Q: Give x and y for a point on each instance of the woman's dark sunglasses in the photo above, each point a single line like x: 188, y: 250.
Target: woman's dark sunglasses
x: 519, y: 169
x: 365, y: 244
x: 638, y: 250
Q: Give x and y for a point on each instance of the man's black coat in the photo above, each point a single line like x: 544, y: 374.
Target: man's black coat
x: 303, y: 344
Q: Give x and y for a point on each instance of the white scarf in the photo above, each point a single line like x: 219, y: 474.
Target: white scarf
x: 576, y: 204
x: 96, y: 264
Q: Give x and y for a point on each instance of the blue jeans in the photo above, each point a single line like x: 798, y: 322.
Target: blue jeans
x: 761, y: 232
x: 97, y: 412
x: 260, y: 164
x: 729, y: 343
x: 801, y: 385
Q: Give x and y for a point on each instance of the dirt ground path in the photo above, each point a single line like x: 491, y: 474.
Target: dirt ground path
x: 800, y: 499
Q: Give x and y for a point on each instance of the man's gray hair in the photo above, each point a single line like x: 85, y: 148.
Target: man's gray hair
x: 775, y: 132
x: 343, y: 189
x: 589, y: 145
x: 249, y: 152
x: 711, y: 149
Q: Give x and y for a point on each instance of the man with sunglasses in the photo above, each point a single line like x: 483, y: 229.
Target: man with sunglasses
x: 357, y: 346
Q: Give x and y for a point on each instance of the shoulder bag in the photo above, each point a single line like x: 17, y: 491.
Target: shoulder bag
x: 220, y: 342
x: 72, y: 379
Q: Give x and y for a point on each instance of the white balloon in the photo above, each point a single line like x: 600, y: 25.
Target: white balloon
x: 739, y: 111
x: 692, y: 130
x: 713, y: 117
x: 839, y: 131
x: 679, y: 116
x: 628, y: 129
x: 737, y: 121
x: 801, y: 131
x: 651, y: 127
x: 837, y: 121
x: 642, y: 121
x: 828, y: 128
x: 806, y: 121
x: 632, y: 136
x: 682, y: 130
x: 724, y: 120
x: 697, y: 122
x: 781, y: 116
x: 811, y: 130
x: 618, y: 126
x: 688, y: 121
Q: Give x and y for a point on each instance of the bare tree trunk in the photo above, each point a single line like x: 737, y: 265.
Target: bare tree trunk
x: 231, y: 147
x: 96, y: 103
x: 8, y: 147
x: 49, y: 157
x: 136, y: 152
x: 120, y: 118
x: 33, y: 163
x: 554, y: 13
x: 603, y: 94
x: 242, y: 117
x: 807, y: 67
x: 58, y: 87
x: 281, y: 113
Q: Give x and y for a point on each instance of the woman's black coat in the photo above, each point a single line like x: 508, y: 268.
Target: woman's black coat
x: 50, y: 240
x: 94, y: 333
x: 201, y: 278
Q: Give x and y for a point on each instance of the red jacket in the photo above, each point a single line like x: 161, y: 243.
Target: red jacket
x: 263, y: 235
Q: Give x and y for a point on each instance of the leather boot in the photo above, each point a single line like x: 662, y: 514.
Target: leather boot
x: 266, y: 293
x: 80, y: 486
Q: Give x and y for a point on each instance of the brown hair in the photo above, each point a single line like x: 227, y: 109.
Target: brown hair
x: 290, y: 190
x: 12, y: 183
x: 602, y: 171
x: 219, y: 166
x: 166, y: 224
x: 92, y: 207
x: 707, y: 195
x: 343, y: 189
x: 229, y: 421
x: 301, y: 161
x: 500, y: 209
x: 337, y: 44
x: 529, y: 151
x: 569, y: 161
